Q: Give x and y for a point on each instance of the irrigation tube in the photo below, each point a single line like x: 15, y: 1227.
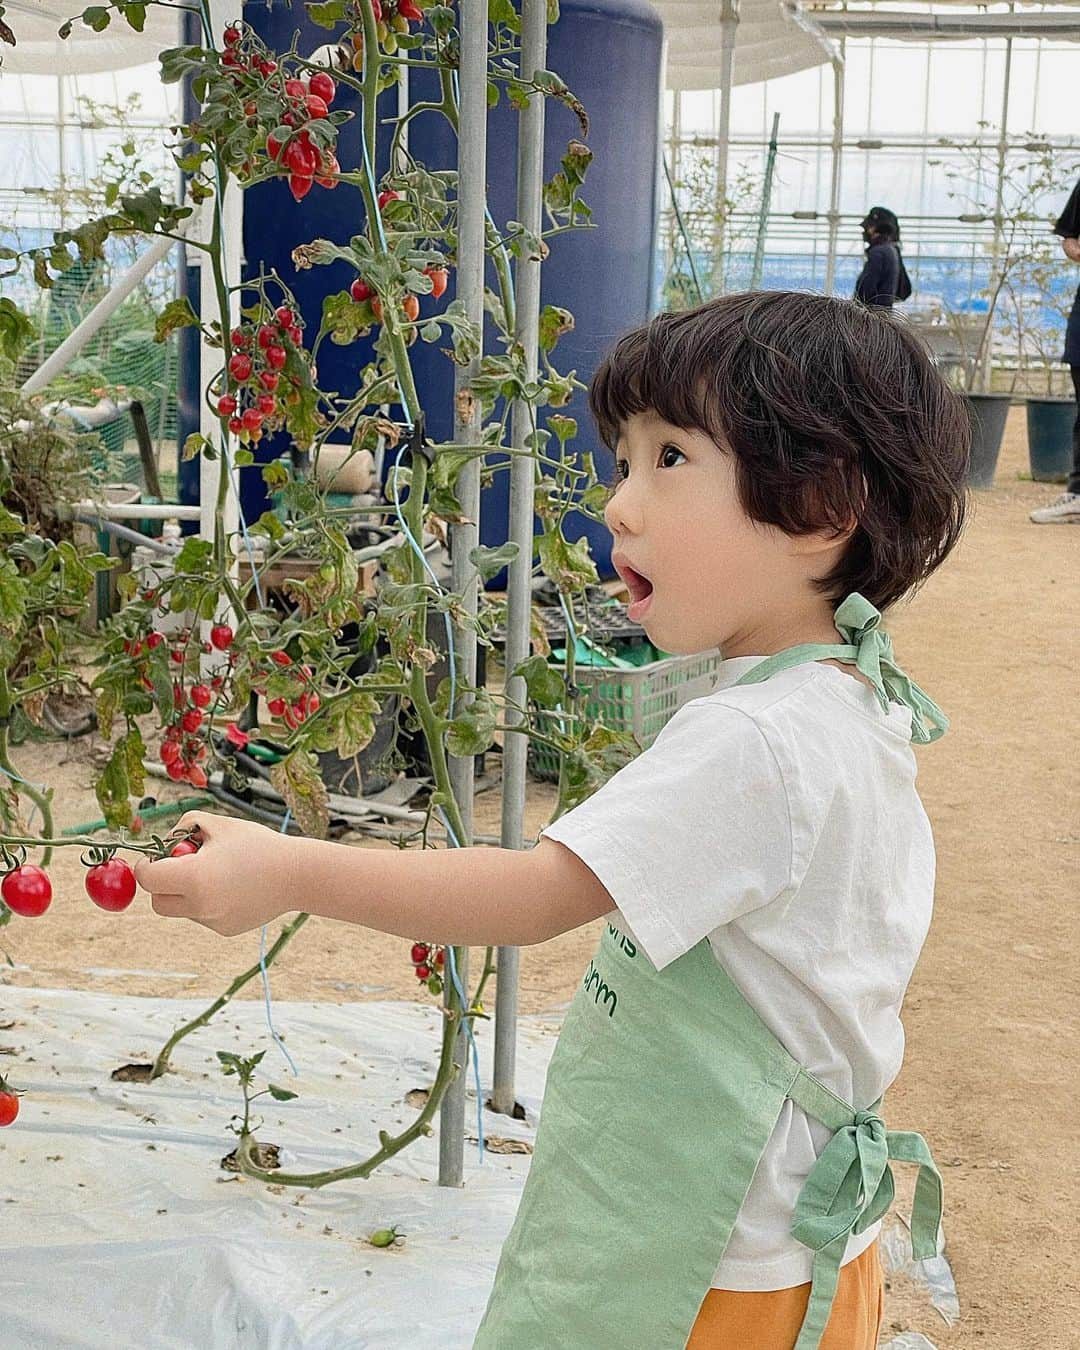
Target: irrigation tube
x: 522, y: 482
x: 472, y: 178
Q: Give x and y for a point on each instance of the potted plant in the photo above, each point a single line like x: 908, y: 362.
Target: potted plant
x: 1011, y: 195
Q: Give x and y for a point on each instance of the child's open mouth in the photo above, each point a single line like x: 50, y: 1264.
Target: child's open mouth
x: 639, y: 586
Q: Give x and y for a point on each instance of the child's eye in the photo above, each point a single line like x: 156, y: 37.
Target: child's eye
x: 622, y: 470
x: 665, y: 456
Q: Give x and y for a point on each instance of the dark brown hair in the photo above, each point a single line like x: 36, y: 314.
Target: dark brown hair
x: 833, y: 412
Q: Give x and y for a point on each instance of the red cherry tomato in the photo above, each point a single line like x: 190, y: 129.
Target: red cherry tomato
x: 281, y: 658
x: 266, y: 404
x: 360, y: 291
x: 328, y: 171
x: 111, y: 885
x: 239, y: 339
x: 439, y: 277
x: 170, y: 752
x: 423, y: 971
x: 276, y: 707
x: 183, y: 848
x: 269, y: 380
x: 389, y: 196
x: 27, y: 891
x: 273, y: 147
x: 419, y: 952
x: 284, y: 315
x: 267, y: 335
x: 226, y: 405
x: 9, y: 1107
x: 240, y: 366
x: 411, y: 306
x: 408, y: 9
x: 315, y: 107
x: 221, y: 637
x: 232, y: 37
x: 176, y: 770
x: 295, y: 88
x: 192, y: 720
x: 252, y: 419
x: 196, y: 776
x: 236, y: 426
x: 201, y: 695
x: 299, y: 187
x: 301, y: 157
x: 276, y: 357
x: 323, y: 86
x: 155, y: 640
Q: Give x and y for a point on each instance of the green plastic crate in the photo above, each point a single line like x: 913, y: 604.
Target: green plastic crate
x: 639, y: 701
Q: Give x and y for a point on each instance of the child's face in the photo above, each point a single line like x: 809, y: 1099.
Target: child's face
x: 701, y: 573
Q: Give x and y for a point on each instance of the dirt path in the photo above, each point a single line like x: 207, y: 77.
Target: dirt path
x: 993, y: 1016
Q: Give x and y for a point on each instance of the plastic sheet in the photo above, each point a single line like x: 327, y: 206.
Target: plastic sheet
x: 933, y: 1276
x: 121, y: 1230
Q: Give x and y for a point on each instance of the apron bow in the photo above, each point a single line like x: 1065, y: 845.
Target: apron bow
x: 851, y: 1187
x: 858, y: 622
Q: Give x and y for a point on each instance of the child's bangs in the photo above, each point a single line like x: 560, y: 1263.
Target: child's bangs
x: 646, y: 372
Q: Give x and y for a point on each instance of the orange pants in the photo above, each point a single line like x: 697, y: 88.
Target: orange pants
x: 734, y: 1320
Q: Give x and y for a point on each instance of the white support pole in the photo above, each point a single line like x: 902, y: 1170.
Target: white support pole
x: 530, y: 175
x: 729, y: 27
x: 472, y: 184
x: 109, y: 303
x: 835, y: 172
x: 999, y: 204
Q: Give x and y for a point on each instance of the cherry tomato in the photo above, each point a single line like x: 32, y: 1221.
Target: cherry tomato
x: 196, y: 776
x: 389, y: 196
x: 9, y: 1107
x: 439, y: 277
x: 315, y: 107
x: 239, y: 339
x: 252, y: 419
x: 411, y: 11
x: 360, y: 291
x: 221, y: 637
x: 267, y: 335
x: 170, y: 752
x: 183, y: 848
x: 111, y: 885
x: 376, y: 308
x: 423, y: 971
x: 301, y: 157
x: 155, y: 640
x: 323, y: 86
x: 276, y: 707
x: 276, y: 357
x: 281, y: 658
x: 201, y: 695
x: 440, y: 957
x: 232, y: 37
x: 268, y: 67
x: 192, y: 720
x: 295, y: 88
x: 284, y: 315
x: 266, y: 404
x: 176, y: 770
x: 240, y: 366
x: 328, y: 172
x: 226, y: 405
x: 273, y: 147
x: 269, y: 380
x: 27, y: 891
x: 236, y: 426
x: 299, y: 187
x: 419, y: 952
x: 411, y: 306
x: 296, y: 335
x: 236, y: 737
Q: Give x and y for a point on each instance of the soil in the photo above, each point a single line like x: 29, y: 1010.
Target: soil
x: 993, y: 1015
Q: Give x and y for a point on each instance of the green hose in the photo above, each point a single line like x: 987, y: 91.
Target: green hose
x: 147, y: 813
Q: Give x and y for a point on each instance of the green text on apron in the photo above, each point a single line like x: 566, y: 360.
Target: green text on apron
x: 661, y: 1096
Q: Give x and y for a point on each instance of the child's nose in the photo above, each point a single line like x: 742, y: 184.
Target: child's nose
x: 623, y: 512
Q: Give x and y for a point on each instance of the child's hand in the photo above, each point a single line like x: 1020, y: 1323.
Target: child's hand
x: 244, y: 875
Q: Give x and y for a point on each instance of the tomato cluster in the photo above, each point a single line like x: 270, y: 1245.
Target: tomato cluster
x: 393, y: 18
x: 110, y: 884
x: 260, y: 353
x: 301, y: 701
x: 428, y: 962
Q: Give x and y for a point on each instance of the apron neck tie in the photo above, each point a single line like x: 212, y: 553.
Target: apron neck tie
x: 870, y: 650
x: 851, y: 1187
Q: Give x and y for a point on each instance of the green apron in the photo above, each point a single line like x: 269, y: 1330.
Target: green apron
x: 661, y: 1096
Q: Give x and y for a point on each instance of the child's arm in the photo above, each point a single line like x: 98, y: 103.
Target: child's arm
x: 245, y: 875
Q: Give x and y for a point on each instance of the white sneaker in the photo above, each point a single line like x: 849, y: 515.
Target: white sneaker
x: 1063, y: 510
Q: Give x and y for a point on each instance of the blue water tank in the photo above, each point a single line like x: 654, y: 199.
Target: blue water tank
x: 609, y: 54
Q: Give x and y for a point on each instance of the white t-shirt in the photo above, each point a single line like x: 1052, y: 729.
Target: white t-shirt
x: 779, y: 820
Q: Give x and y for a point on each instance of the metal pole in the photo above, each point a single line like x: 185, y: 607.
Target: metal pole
x: 530, y: 177
x: 729, y: 24
x: 763, y: 214
x: 999, y: 207
x: 837, y: 162
x: 472, y: 173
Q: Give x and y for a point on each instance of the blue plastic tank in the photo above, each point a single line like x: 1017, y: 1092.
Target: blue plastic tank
x: 609, y: 54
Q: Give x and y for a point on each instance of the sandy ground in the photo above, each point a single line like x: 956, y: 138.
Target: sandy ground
x: 991, y: 1075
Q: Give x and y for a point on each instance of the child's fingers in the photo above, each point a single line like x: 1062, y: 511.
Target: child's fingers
x: 205, y: 822
x: 167, y: 876
x: 170, y: 906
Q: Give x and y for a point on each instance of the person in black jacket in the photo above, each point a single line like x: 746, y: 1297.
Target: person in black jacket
x: 1065, y: 509
x: 884, y: 279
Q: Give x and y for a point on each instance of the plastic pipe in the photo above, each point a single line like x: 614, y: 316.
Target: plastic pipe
x: 122, y: 532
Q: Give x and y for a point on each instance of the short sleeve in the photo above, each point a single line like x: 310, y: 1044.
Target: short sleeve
x: 692, y: 834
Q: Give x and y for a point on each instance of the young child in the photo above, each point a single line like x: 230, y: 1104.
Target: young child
x: 711, y: 1163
